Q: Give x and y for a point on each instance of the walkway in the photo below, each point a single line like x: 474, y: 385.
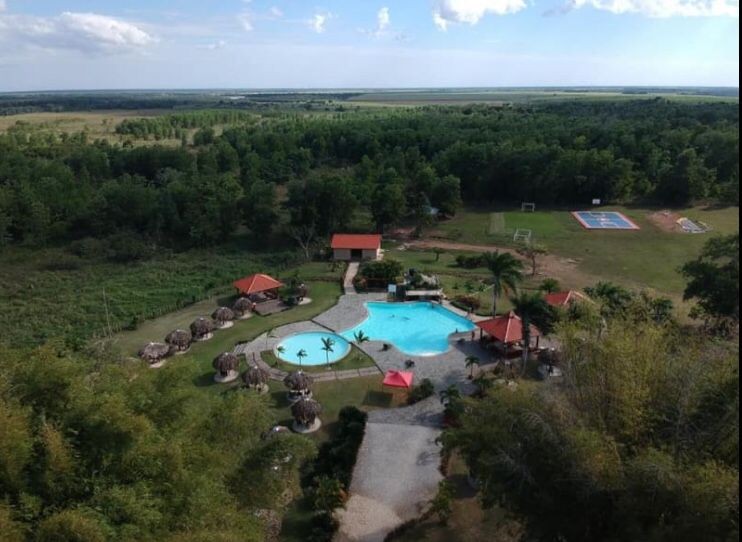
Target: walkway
x: 350, y: 274
x: 396, y: 474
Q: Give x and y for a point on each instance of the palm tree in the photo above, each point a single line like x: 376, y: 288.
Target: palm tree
x: 471, y: 361
x: 360, y: 337
x: 507, y: 272
x: 301, y: 354
x: 280, y: 349
x: 327, y: 344
x: 451, y: 393
x: 483, y: 383
x: 530, y: 307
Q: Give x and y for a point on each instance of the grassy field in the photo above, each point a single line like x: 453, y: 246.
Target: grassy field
x: 644, y: 259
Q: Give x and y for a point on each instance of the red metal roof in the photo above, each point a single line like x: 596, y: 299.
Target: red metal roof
x: 561, y: 299
x: 398, y: 379
x: 506, y: 329
x: 256, y: 283
x: 356, y: 241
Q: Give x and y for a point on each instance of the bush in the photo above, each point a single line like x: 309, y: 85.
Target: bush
x: 128, y: 247
x: 422, y: 391
x: 470, y: 262
x: 468, y: 302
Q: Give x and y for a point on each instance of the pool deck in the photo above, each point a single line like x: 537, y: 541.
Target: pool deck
x: 442, y: 369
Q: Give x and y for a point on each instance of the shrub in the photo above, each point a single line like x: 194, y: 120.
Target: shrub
x: 422, y: 391
x: 470, y: 261
x: 468, y: 302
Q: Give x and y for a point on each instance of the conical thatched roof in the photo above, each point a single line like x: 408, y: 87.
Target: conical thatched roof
x: 242, y: 305
x: 201, y: 326
x: 226, y: 362
x: 154, y: 352
x: 223, y: 314
x: 298, y: 381
x: 180, y: 338
x: 305, y: 411
x: 255, y: 376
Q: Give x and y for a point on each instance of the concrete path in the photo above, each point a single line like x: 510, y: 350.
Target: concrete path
x: 350, y: 274
x: 396, y: 474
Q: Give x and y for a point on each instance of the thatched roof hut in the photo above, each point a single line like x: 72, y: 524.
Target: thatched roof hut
x: 223, y: 316
x: 202, y: 328
x: 180, y: 339
x: 255, y: 377
x: 154, y: 352
x: 298, y: 381
x: 305, y: 411
x: 226, y: 363
x: 242, y: 306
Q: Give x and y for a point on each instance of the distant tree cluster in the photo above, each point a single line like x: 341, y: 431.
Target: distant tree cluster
x: 393, y: 166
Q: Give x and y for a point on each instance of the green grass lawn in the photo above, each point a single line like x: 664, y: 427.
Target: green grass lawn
x: 648, y: 258
x: 356, y: 359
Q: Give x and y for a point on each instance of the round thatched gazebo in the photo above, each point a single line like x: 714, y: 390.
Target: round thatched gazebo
x: 299, y: 384
x: 223, y: 317
x: 242, y: 308
x: 226, y: 365
x: 180, y: 340
x: 256, y: 378
x: 155, y: 354
x: 305, y: 412
x: 202, y: 329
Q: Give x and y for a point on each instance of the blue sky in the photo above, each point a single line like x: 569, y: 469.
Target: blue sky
x: 91, y: 44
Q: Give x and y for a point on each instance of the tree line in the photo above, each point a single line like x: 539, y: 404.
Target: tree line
x: 393, y: 165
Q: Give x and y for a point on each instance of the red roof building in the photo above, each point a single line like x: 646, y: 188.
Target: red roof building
x: 564, y: 299
x: 506, y: 329
x: 256, y: 283
x: 348, y: 246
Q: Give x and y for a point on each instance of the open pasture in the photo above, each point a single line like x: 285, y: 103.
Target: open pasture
x: 647, y: 258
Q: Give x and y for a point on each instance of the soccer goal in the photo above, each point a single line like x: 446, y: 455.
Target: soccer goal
x: 528, y: 206
x: 521, y: 235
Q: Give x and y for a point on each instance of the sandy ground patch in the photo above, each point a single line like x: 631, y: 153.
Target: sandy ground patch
x: 665, y: 220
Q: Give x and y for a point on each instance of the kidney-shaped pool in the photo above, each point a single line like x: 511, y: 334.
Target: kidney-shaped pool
x: 417, y: 328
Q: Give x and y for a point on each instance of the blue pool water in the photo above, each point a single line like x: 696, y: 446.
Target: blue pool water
x: 311, y: 343
x: 417, y: 329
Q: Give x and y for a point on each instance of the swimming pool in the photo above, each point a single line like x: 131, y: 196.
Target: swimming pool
x: 311, y: 344
x: 417, y: 328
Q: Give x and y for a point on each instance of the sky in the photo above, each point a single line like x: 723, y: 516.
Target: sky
x: 254, y: 44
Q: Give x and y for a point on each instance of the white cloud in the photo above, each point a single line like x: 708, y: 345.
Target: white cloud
x: 275, y: 12
x: 471, y: 12
x: 664, y: 8
x: 220, y: 44
x: 383, y: 18
x: 245, y: 20
x: 318, y: 22
x: 87, y: 32
x: 3, y: 5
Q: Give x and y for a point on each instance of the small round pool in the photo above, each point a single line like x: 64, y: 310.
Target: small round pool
x: 312, y: 344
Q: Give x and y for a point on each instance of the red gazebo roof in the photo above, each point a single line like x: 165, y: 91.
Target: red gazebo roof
x: 398, y: 379
x: 256, y: 283
x: 507, y: 328
x: 561, y: 299
x: 356, y: 241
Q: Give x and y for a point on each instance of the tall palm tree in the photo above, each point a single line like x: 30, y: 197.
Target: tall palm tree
x: 471, y: 361
x: 451, y: 393
x: 507, y: 273
x: 530, y: 307
x: 327, y: 346
x: 301, y: 354
x: 483, y: 383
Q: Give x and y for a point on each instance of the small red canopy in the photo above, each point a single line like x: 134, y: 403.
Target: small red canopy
x: 256, y: 283
x: 506, y: 329
x: 398, y: 379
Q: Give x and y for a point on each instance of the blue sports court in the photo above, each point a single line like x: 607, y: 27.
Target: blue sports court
x: 604, y: 220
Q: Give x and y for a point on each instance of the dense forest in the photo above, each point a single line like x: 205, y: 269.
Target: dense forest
x: 392, y: 164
